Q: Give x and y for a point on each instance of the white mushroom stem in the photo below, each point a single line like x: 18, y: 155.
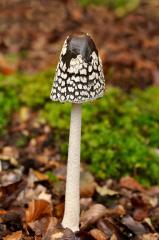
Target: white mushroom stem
x: 72, y: 195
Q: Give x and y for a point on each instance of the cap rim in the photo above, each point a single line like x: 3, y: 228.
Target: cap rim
x: 78, y: 101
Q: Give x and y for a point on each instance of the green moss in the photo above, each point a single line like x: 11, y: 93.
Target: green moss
x: 119, y: 133
x: 23, y: 89
x: 120, y: 7
x: 52, y: 177
x: 34, y: 89
x: 8, y: 101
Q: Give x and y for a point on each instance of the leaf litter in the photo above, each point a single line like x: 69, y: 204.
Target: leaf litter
x: 32, y: 201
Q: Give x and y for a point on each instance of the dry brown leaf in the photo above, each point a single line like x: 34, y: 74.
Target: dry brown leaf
x: 68, y: 235
x: 10, y: 192
x: 51, y: 229
x: 2, y: 212
x: 113, y: 237
x: 5, y: 67
x: 140, y: 214
x: 14, y: 236
x: 150, y: 236
x: 40, y: 176
x: 87, y: 184
x: 38, y: 209
x: 40, y: 226
x: 10, y: 152
x: 130, y: 183
x: 104, y: 227
x: 59, y: 210
x: 98, y: 234
x: 104, y: 191
x: 116, y: 211
x: 92, y: 215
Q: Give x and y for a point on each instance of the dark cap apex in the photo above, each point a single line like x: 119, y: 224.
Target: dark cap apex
x: 81, y: 44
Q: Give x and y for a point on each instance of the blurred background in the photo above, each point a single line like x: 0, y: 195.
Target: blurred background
x: 120, y: 132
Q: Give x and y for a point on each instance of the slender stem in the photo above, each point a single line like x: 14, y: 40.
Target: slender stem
x: 72, y: 196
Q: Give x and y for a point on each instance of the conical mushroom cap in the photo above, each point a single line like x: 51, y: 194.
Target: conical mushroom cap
x: 79, y: 75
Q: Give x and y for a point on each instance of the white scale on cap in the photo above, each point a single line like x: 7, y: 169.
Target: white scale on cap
x: 79, y: 75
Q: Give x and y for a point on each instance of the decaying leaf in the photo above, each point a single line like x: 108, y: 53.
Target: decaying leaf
x: 9, y: 193
x: 104, y: 227
x: 38, y: 209
x: 68, y: 235
x: 150, y: 236
x: 92, y: 215
x: 116, y: 211
x: 40, y: 226
x: 51, y: 229
x: 104, y: 191
x: 87, y: 184
x: 98, y: 234
x: 113, y: 237
x: 5, y: 67
x: 131, y: 183
x: 134, y: 226
x: 14, y: 236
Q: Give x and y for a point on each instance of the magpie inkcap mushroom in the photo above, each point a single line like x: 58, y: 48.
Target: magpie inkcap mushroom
x: 79, y: 78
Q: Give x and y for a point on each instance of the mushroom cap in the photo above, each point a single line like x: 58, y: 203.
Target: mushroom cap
x: 79, y: 75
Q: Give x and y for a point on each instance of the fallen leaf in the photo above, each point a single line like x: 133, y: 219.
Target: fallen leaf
x: 51, y: 229
x: 130, y: 183
x: 40, y: 226
x: 9, y: 193
x: 16, y: 235
x: 140, y: 214
x: 113, y: 237
x: 12, y: 219
x: 92, y: 215
x: 104, y: 191
x: 40, y: 176
x: 134, y: 226
x: 116, y: 211
x: 102, y: 225
x: 150, y: 236
x: 98, y: 234
x: 38, y: 209
x: 5, y: 67
x: 87, y: 184
x: 68, y: 235
x: 82, y: 235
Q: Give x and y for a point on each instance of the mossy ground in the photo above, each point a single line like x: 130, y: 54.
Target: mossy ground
x: 119, y: 131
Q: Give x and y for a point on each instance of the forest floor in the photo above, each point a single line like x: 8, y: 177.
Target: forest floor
x: 32, y: 175
x: 32, y: 193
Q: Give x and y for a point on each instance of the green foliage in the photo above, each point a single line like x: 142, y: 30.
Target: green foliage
x: 8, y: 101
x: 88, y: 2
x: 52, y: 177
x: 34, y: 89
x: 23, y: 89
x: 121, y: 7
x: 119, y: 133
